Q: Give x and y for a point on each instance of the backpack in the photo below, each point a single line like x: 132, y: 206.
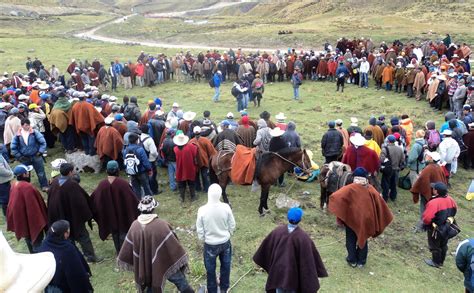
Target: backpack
x: 127, y: 112
x: 211, y: 83
x: 434, y: 139
x: 131, y: 163
x: 258, y: 86
x: 234, y: 91
x: 420, y: 158
x: 141, y: 143
x: 386, y: 166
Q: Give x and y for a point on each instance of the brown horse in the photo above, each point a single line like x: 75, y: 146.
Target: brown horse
x: 270, y: 166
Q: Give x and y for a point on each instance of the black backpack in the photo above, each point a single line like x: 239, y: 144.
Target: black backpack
x: 386, y: 166
x: 211, y: 82
x: 234, y: 91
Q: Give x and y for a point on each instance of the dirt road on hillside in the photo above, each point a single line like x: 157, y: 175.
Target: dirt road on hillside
x: 91, y: 34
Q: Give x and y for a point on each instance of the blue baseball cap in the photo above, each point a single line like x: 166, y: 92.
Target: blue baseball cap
x: 22, y: 169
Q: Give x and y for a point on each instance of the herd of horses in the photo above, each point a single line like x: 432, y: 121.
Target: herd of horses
x: 271, y: 165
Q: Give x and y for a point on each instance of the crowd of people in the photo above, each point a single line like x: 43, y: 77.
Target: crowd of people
x: 42, y: 107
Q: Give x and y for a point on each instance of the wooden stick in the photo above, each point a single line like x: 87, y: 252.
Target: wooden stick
x: 235, y: 284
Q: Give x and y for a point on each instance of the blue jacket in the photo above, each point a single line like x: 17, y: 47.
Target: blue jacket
x: 342, y: 69
x: 36, y: 144
x: 465, y: 262
x: 217, y: 80
x: 139, y: 151
x: 118, y: 68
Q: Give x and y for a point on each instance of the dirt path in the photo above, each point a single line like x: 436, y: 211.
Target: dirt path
x: 183, y: 13
x: 91, y: 34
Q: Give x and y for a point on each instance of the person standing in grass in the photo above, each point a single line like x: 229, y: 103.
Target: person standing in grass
x: 215, y: 225
x: 364, y: 214
x: 465, y: 262
x: 152, y: 250
x: 290, y: 258
x: 296, y: 81
x: 216, y: 82
x: 341, y: 73
x: 437, y: 218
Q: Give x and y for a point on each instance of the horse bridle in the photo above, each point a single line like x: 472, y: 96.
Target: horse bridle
x: 303, y: 167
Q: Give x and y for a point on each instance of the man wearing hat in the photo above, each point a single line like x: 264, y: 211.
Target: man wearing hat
x: 354, y: 126
x: 36, y: 117
x: 432, y: 173
x: 227, y: 139
x: 215, y: 225
x: 186, y: 164
x: 150, y: 239
x: 358, y: 155
x: 59, y: 123
x: 277, y: 143
x: 109, y: 142
x: 332, y: 143
x: 113, y: 206
x: 26, y: 212
x: 345, y: 135
x: 419, y: 82
x: 205, y: 151
x: 393, y: 155
x: 359, y: 207
x: 449, y: 151
x: 169, y: 157
x: 28, y: 147
x: 459, y: 97
x: 437, y: 218
x: 290, y: 258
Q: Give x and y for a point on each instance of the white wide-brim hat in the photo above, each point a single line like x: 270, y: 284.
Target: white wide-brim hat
x: 180, y: 139
x: 24, y: 272
x: 357, y: 139
x: 280, y: 116
x: 277, y: 131
x: 189, y: 116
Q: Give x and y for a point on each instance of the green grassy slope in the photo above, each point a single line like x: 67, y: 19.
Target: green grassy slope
x: 395, y: 259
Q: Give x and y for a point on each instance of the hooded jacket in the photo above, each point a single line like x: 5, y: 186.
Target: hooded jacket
x: 291, y: 137
x: 215, y: 222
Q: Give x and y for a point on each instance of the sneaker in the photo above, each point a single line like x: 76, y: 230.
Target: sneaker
x: 360, y: 266
x: 352, y: 264
x: 431, y: 263
x: 45, y: 189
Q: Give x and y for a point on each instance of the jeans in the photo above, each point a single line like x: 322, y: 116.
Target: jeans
x: 33, y: 246
x: 296, y: 93
x: 364, y: 79
x: 217, y: 93
x: 38, y: 165
x: 410, y: 90
x: 88, y: 143
x: 224, y: 252
x: 279, y: 290
x: 178, y: 279
x: 245, y: 100
x: 388, y: 86
x: 138, y: 181
x: 159, y: 77
x: 356, y: 255
x: 67, y: 138
x: 203, y: 175
x: 240, y: 104
x: 172, y: 175
x: 119, y: 238
x: 389, y: 185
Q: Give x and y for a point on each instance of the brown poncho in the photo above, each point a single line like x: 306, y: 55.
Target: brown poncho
x: 291, y: 261
x: 430, y: 174
x: 85, y: 118
x: 420, y: 81
x: 69, y: 202
x: 114, y: 206
x: 377, y: 134
x: 109, y: 142
x: 154, y: 252
x: 58, y: 120
x: 247, y: 133
x: 362, y: 209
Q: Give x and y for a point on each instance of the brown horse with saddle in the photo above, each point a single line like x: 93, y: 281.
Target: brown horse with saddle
x: 242, y: 168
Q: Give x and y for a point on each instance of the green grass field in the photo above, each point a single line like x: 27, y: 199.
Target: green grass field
x: 396, y: 258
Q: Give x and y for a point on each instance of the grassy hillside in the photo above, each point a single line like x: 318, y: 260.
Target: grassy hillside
x: 312, y: 23
x: 395, y: 261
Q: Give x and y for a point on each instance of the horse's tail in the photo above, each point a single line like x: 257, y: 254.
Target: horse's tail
x: 212, y: 173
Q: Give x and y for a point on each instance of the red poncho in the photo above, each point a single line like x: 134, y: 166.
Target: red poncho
x: 362, y: 209
x: 186, y: 159
x: 26, y: 213
x: 361, y: 157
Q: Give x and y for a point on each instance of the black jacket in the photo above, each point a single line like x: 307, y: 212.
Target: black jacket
x: 277, y: 144
x: 332, y: 143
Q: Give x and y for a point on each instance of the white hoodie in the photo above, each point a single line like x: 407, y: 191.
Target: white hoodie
x: 215, y: 222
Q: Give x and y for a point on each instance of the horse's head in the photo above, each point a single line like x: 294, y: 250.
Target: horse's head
x: 305, y: 161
